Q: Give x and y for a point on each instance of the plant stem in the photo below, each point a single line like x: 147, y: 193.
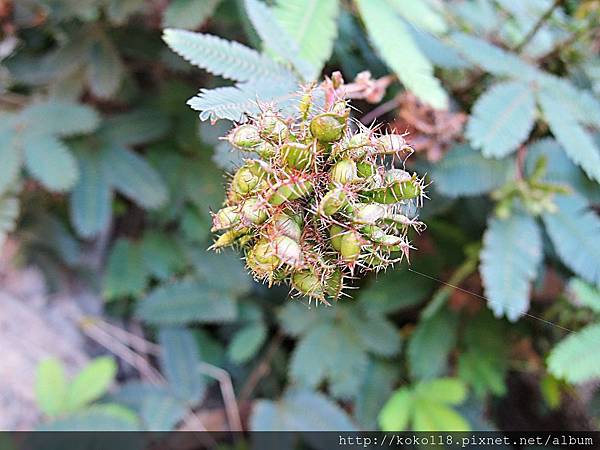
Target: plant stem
x: 531, y: 34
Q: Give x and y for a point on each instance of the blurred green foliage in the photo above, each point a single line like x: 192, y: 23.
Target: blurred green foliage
x: 98, y: 146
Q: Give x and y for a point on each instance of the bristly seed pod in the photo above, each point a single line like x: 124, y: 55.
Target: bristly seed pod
x: 322, y: 204
x: 328, y: 127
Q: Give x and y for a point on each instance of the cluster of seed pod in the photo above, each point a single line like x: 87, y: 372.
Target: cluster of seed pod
x: 321, y: 202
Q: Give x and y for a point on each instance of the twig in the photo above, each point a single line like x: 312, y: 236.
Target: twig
x: 262, y: 368
x: 221, y: 375
x: 226, y: 386
x: 122, y: 351
x: 382, y: 109
x: 531, y: 34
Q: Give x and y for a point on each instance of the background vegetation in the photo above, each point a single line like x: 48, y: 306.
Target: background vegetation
x: 107, y: 179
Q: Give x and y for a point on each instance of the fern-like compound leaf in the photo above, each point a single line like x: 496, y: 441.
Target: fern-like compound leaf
x: 574, y: 138
x: 512, y: 252
x: 501, y: 119
x: 222, y: 57
x: 277, y: 39
x: 312, y: 24
x: 576, y: 358
x: 464, y: 172
x: 393, y: 41
x: 574, y: 231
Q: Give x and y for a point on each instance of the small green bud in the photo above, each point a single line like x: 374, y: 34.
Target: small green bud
x: 301, y: 189
x: 334, y: 284
x: 404, y: 190
x: 225, y: 218
x: 254, y: 210
x: 365, y: 169
x: 327, y: 127
x: 244, y: 137
x: 272, y: 127
x: 296, y: 155
x: 307, y: 283
x: 265, y: 150
x: 344, y: 172
x: 247, y: 178
x: 350, y: 246
x: 335, y: 233
x: 286, y: 225
x: 228, y: 238
x: 262, y: 258
x: 332, y: 202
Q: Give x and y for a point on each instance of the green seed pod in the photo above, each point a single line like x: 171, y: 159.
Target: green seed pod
x: 307, y: 283
x: 244, y: 137
x: 332, y: 202
x: 288, y: 250
x: 262, y: 258
x: 335, y: 234
x: 265, y: 150
x: 372, y: 232
x: 286, y: 225
x: 368, y: 213
x: 335, y: 284
x: 350, y: 246
x: 247, y: 178
x: 273, y: 127
x: 365, y: 169
x: 254, y: 210
x: 301, y: 189
x: 225, y: 218
x: 327, y: 127
x: 228, y: 238
x: 296, y: 155
x: 404, y: 190
x: 344, y: 172
x: 391, y: 144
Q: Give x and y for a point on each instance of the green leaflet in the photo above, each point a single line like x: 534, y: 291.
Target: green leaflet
x: 235, y: 102
x: 375, y: 389
x: 105, y: 70
x: 180, y: 362
x: 59, y: 117
x: 49, y: 161
x: 189, y: 14
x: 422, y: 14
x: 247, y: 342
x: 502, y: 119
x: 276, y: 38
x: 426, y: 406
x: 512, y: 251
x: 329, y: 352
x: 136, y: 127
x: 585, y: 294
x: 394, y: 43
x: 464, y: 172
x: 106, y: 417
x: 492, y: 58
x: 430, y: 345
x: 91, y: 383
x: 184, y: 302
x: 125, y: 272
x: 574, y: 231
x: 574, y: 138
x: 290, y: 414
x: 51, y: 387
x: 135, y: 178
x: 312, y: 24
x: 576, y: 358
x: 221, y: 57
